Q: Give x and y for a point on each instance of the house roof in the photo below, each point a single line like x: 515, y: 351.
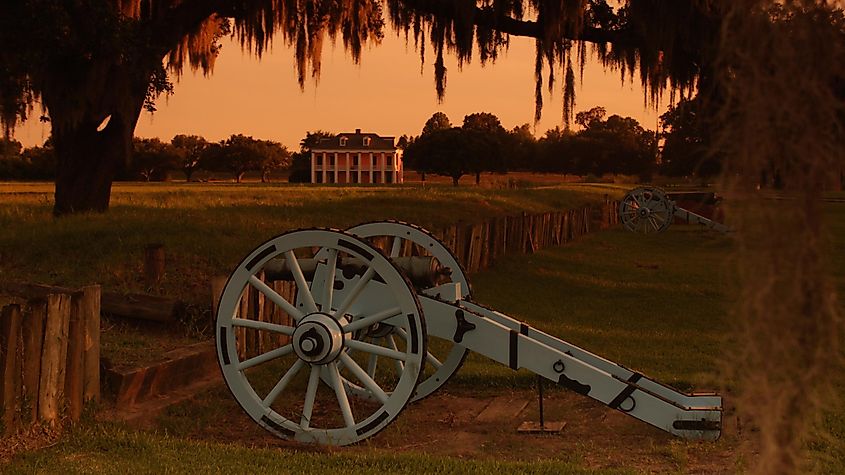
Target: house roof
x: 355, y: 141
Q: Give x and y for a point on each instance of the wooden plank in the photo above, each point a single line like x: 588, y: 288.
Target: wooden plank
x: 10, y: 375
x: 74, y: 364
x: 53, y: 357
x: 258, y: 311
x: 90, y: 311
x: 486, y: 244
x: 217, y: 284
x: 33, y: 341
x: 142, y: 306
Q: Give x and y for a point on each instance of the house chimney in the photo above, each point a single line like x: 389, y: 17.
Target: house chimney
x: 357, y: 131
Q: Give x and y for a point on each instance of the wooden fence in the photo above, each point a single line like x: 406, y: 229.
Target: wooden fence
x: 49, y: 356
x: 476, y: 246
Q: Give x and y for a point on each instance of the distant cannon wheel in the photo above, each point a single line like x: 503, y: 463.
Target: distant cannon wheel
x: 646, y: 210
x: 295, y: 390
x: 444, y: 357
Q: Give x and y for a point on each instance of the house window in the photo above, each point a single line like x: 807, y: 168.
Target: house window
x: 343, y: 141
x: 366, y: 141
x: 331, y: 159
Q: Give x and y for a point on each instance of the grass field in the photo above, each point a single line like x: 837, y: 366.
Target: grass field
x: 656, y: 304
x: 207, y: 228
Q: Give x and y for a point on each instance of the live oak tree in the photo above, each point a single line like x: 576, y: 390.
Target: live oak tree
x: 94, y: 65
x: 453, y: 152
x: 189, y: 149
x: 437, y: 121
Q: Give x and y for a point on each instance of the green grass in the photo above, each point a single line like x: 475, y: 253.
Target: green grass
x: 109, y: 449
x: 206, y: 229
x: 655, y: 303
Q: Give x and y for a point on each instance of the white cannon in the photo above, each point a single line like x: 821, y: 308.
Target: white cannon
x: 647, y: 210
x: 365, y: 340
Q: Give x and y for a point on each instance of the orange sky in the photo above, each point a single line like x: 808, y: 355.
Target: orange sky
x: 385, y: 94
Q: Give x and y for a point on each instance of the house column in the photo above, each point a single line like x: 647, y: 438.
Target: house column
x: 336, y: 158
x: 372, y: 165
x: 324, y: 167
x: 359, y: 166
x: 348, y: 167
x: 313, y: 166
x: 383, y: 161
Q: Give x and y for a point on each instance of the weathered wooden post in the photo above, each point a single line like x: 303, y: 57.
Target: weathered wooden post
x: 153, y: 265
x: 10, y: 335
x: 53, y: 357
x: 33, y: 343
x: 74, y: 364
x: 90, y: 307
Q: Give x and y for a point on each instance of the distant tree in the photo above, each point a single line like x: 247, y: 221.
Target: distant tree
x: 403, y: 142
x: 275, y: 157
x: 41, y: 162
x: 483, y: 122
x: 300, y: 168
x: 555, y: 152
x: 438, y: 121
x: 686, y: 142
x: 616, y: 145
x: 152, y: 158
x: 453, y: 152
x: 520, y: 151
x: 189, y: 150
x: 237, y: 155
x: 586, y: 118
x: 492, y: 139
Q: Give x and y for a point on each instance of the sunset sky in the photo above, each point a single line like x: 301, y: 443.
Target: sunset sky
x: 385, y: 94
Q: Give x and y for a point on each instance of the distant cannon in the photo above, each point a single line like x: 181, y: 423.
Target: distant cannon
x: 378, y: 341
x: 647, y: 210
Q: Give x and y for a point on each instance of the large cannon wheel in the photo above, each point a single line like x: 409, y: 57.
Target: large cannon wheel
x: 281, y: 388
x: 646, y: 210
x: 444, y: 357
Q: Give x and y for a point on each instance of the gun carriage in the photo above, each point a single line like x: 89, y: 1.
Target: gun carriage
x: 374, y: 330
x: 647, y: 210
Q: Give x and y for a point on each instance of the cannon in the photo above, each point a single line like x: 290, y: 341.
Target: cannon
x: 647, y: 210
x: 382, y: 315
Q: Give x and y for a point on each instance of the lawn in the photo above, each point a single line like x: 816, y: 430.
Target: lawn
x: 207, y: 228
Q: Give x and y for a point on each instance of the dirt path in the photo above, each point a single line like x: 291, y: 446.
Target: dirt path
x: 478, y: 425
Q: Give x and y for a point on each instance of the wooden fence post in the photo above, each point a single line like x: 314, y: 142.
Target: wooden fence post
x: 54, y: 356
x: 74, y: 364
x: 33, y: 342
x: 10, y: 364
x: 153, y: 265
x: 90, y: 311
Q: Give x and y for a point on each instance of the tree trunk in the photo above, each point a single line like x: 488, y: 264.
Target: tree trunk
x: 188, y: 172
x: 455, y: 180
x: 89, y: 159
x: 87, y: 164
x: 239, y: 176
x: 477, y: 178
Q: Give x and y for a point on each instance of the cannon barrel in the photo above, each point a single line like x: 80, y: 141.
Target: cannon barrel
x: 424, y: 271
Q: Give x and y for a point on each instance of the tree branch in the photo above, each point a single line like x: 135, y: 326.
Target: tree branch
x: 489, y: 17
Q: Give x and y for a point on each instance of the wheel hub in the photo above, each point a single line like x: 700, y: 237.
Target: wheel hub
x: 317, y: 339
x: 644, y: 212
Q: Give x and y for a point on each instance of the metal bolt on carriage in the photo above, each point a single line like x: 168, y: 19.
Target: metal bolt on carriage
x: 374, y: 330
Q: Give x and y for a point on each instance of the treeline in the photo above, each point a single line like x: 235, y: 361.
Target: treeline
x: 156, y: 160
x: 602, y: 145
